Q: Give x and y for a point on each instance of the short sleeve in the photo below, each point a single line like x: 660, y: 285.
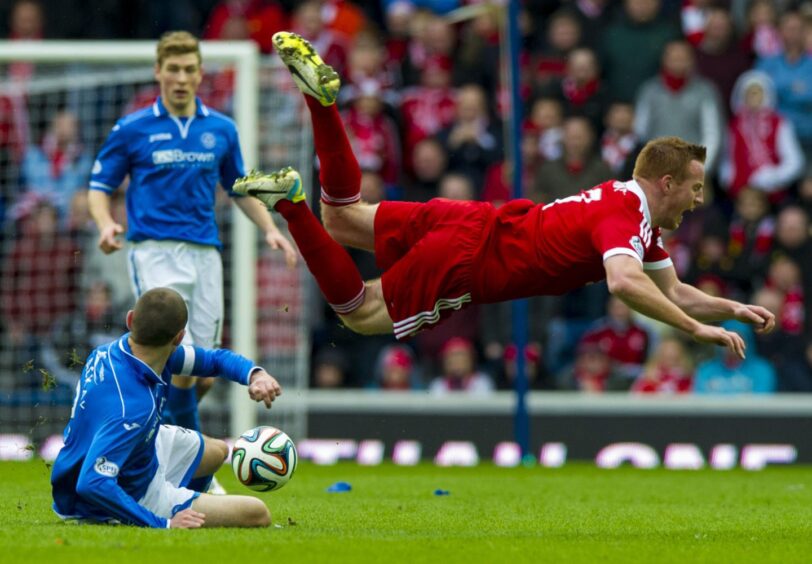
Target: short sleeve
x: 657, y: 257
x: 112, y: 163
x: 621, y: 229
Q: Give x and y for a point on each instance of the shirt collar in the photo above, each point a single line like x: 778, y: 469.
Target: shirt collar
x: 635, y: 189
x: 159, y: 110
x: 143, y: 368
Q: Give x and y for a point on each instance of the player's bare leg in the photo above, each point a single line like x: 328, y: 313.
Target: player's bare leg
x: 353, y: 225
x: 372, y: 317
x: 226, y: 510
x: 215, y: 453
x: 232, y: 511
x: 361, y: 306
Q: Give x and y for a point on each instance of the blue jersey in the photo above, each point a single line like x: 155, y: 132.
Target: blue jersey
x: 174, y: 166
x: 109, y: 457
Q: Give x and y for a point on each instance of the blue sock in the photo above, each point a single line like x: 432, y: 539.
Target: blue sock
x: 200, y: 484
x: 182, y: 406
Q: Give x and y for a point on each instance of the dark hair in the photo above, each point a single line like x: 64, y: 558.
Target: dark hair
x: 158, y: 316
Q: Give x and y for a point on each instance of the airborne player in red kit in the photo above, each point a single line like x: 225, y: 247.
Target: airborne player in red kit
x: 442, y: 255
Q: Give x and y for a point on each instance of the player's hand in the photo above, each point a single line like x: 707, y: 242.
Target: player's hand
x: 108, y: 241
x: 277, y: 242
x: 762, y: 319
x: 264, y: 387
x: 187, y: 519
x: 721, y: 337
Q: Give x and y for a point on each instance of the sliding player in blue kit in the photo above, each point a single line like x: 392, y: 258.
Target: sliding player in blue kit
x: 175, y: 152
x: 119, y: 463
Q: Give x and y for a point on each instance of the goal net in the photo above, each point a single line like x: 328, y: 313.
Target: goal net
x: 61, y: 296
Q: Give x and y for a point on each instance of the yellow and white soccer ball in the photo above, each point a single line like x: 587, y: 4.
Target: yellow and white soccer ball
x: 264, y: 458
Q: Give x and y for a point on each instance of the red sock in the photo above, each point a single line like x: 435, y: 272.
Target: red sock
x: 340, y: 175
x: 329, y: 262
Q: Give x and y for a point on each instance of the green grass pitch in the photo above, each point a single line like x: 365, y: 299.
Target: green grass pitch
x: 578, y: 513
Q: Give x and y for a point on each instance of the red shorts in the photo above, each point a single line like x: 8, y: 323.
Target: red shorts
x: 426, y: 251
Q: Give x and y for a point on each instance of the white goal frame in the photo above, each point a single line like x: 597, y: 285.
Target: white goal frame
x: 244, y: 56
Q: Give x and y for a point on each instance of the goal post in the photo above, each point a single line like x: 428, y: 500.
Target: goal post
x: 244, y: 61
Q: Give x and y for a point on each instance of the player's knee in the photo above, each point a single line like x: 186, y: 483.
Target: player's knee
x: 223, y: 447
x: 257, y: 514
x: 217, y: 448
x: 331, y: 220
x: 336, y: 222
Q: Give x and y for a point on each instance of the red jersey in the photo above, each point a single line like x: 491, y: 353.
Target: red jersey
x: 444, y: 255
x: 533, y: 249
x: 625, y: 345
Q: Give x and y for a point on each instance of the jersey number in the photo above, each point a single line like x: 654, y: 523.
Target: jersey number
x: 586, y: 196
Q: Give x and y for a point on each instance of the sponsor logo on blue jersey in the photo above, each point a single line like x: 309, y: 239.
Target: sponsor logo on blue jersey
x: 176, y: 156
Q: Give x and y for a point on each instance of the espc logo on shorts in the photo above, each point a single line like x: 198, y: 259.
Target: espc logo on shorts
x: 105, y: 468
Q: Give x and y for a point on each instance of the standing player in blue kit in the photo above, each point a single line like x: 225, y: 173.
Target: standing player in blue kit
x: 175, y: 153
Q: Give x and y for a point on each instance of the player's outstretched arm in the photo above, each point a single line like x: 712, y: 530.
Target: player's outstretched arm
x: 703, y: 307
x: 187, y: 360
x: 627, y: 280
x: 258, y: 214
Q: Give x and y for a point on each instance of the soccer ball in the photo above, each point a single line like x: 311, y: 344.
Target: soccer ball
x: 264, y: 459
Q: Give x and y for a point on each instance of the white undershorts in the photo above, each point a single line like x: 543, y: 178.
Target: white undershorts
x: 179, y: 452
x: 195, y: 272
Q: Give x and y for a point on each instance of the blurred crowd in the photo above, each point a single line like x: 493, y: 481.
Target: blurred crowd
x: 424, y: 103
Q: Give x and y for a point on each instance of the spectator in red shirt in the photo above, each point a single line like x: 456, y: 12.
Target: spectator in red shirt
x: 619, y: 139
x: 668, y: 371
x: 762, y: 38
x: 784, y: 276
x: 563, y: 35
x: 257, y: 20
x: 432, y: 36
x: 396, y: 369
x: 750, y: 239
x: 625, y: 342
x: 366, y: 60
x: 580, y: 90
x: 39, y: 278
x: 459, y: 370
x: 428, y: 108
x: 533, y: 367
x: 694, y: 19
x: 373, y: 134
x: 343, y: 17
x: 592, y: 370
x: 763, y: 151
